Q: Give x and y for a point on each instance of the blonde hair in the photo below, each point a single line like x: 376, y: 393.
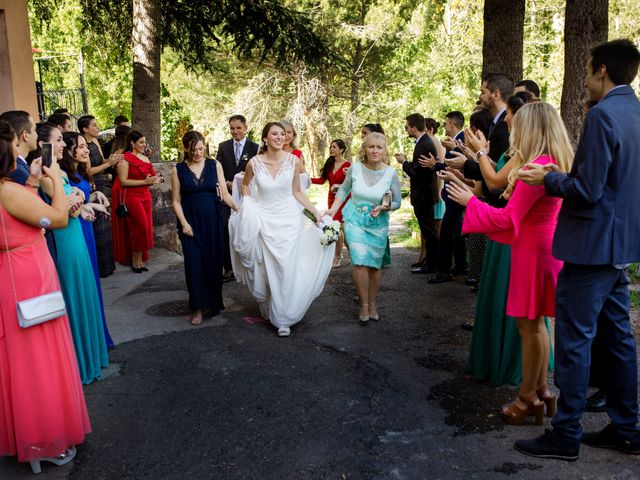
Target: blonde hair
x: 538, y: 130
x: 368, y: 140
x: 287, y: 124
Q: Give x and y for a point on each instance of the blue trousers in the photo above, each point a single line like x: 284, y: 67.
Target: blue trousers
x: 588, y: 298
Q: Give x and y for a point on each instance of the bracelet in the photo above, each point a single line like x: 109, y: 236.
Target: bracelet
x: 32, y: 185
x: 480, y: 153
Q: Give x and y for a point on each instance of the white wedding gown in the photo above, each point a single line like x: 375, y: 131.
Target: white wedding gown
x: 275, y: 249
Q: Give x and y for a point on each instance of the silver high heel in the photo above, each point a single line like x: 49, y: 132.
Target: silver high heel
x: 65, y: 457
x: 376, y: 316
x: 364, y: 318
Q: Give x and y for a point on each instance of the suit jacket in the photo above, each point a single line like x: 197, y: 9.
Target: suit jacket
x: 458, y: 136
x: 21, y: 173
x: 423, y: 181
x: 499, y: 138
x: 227, y: 158
x: 599, y: 223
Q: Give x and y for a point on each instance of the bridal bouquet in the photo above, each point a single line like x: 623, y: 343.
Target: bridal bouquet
x: 330, y: 228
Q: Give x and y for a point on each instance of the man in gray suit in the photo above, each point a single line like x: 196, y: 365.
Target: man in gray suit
x: 597, y: 237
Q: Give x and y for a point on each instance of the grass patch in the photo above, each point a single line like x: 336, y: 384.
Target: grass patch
x: 635, y: 299
x: 634, y: 273
x: 407, y: 239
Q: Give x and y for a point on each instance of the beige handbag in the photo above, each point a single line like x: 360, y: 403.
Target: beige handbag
x: 36, y: 310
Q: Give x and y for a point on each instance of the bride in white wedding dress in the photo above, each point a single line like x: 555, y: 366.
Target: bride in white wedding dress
x: 275, y: 249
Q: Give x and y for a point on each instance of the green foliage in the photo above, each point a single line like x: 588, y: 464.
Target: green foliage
x: 175, y: 123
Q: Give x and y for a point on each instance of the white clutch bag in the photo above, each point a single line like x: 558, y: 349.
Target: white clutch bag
x: 40, y: 309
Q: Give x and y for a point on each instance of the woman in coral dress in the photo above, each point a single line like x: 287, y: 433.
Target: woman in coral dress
x: 43, y: 413
x: 527, y: 223
x: 335, y: 171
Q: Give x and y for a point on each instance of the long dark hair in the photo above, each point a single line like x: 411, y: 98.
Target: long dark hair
x: 68, y: 163
x: 133, y: 137
x: 481, y: 120
x: 327, y: 168
x: 7, y: 159
x: 265, y: 133
x: 189, y: 142
x: 374, y: 127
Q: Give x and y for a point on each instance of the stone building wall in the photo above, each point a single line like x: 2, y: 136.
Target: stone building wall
x: 164, y: 219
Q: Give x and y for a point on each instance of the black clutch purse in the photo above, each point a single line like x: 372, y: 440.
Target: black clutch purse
x: 122, y: 211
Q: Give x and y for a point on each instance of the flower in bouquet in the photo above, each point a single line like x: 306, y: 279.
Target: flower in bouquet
x: 330, y: 233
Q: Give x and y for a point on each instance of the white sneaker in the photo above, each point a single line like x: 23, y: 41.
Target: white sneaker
x: 284, y: 331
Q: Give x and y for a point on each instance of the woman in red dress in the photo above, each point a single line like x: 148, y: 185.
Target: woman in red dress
x: 335, y: 171
x: 133, y: 233
x: 527, y: 223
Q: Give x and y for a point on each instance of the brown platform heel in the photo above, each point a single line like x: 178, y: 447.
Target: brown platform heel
x: 550, y: 400
x: 512, y: 414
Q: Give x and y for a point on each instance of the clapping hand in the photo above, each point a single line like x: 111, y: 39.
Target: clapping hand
x: 427, y: 161
x: 87, y: 213
x: 459, y: 192
x: 533, y: 174
x: 152, y: 180
x: 400, y: 158
x: 99, y: 197
x: 449, y: 143
x: 98, y: 207
x: 456, y: 161
x: 475, y: 140
x: 115, y: 158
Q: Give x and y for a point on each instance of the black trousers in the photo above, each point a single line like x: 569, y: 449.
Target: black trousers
x: 426, y: 220
x: 226, y: 213
x: 451, y: 242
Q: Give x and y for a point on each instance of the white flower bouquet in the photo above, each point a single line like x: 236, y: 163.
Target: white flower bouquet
x: 330, y: 228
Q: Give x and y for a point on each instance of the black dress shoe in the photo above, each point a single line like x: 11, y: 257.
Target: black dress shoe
x: 458, y: 271
x: 545, y: 446
x: 467, y: 326
x: 597, y: 402
x: 471, y: 282
x: 609, y: 438
x: 423, y: 269
x: 440, y: 278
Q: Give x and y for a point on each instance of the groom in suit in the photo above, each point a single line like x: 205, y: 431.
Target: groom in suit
x: 597, y: 238
x: 234, y: 154
x: 423, y: 187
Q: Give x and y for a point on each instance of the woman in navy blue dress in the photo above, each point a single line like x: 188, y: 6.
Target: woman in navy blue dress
x: 194, y: 186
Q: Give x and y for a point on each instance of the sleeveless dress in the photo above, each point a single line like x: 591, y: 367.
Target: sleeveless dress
x: 42, y: 406
x: 81, y: 296
x: 89, y: 238
x: 368, y: 237
x: 102, y: 225
x: 275, y: 249
x: 204, y: 252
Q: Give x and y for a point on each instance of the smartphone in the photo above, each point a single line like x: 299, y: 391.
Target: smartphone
x: 47, y: 154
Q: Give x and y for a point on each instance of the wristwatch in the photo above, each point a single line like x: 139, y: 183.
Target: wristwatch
x: 481, y: 153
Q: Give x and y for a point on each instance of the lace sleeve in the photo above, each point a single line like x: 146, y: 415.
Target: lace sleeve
x: 396, y: 194
x: 345, y: 188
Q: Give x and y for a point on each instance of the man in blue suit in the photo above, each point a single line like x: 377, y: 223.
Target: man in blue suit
x: 598, y: 236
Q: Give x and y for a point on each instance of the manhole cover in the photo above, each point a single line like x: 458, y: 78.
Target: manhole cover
x: 177, y: 308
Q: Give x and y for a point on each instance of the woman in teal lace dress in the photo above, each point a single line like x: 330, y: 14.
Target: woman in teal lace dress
x: 77, y: 280
x: 366, y: 217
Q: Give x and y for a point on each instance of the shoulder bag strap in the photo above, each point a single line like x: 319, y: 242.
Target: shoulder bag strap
x: 8, y: 252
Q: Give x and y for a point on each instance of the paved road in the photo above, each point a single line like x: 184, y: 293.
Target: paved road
x: 231, y: 400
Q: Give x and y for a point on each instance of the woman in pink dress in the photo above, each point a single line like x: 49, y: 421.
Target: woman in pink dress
x: 527, y: 223
x: 335, y: 171
x: 43, y: 413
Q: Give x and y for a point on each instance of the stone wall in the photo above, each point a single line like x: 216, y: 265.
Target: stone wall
x: 164, y: 218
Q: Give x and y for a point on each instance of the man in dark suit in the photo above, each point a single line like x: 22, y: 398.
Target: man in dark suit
x: 597, y: 237
x: 234, y: 154
x: 451, y: 244
x: 424, y: 188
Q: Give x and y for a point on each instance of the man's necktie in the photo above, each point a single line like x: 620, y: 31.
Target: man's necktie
x: 238, y: 152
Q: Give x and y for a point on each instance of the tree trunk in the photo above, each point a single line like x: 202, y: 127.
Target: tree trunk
x: 146, y: 72
x: 586, y: 24
x: 503, y: 37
